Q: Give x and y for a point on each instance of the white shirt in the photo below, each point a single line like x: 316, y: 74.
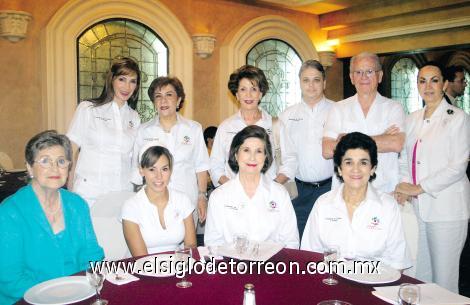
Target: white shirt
x: 105, y: 135
x: 185, y: 142
x: 223, y: 139
x: 347, y: 116
x: 142, y: 212
x: 375, y: 231
x: 267, y: 216
x: 441, y: 161
x: 301, y: 142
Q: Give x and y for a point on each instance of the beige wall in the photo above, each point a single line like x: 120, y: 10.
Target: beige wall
x: 20, y: 69
x: 21, y: 76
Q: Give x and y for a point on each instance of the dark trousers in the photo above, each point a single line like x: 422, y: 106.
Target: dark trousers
x: 303, y: 204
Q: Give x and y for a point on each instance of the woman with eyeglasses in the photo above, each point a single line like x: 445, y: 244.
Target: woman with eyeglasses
x: 46, y: 231
x: 182, y: 137
x: 432, y: 170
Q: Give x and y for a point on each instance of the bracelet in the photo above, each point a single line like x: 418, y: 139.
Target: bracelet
x: 202, y: 195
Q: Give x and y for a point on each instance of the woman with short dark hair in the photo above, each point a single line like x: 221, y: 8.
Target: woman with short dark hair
x: 362, y: 222
x: 46, y: 231
x: 182, y: 137
x: 248, y: 84
x: 157, y: 218
x: 103, y: 132
x: 251, y: 204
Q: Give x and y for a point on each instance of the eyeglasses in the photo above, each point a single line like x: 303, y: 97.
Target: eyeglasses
x: 367, y: 73
x: 46, y: 162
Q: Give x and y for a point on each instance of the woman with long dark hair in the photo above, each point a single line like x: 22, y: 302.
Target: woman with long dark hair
x: 103, y: 132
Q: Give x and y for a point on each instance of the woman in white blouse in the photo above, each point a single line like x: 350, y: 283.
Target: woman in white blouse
x: 182, y: 137
x: 363, y: 222
x: 432, y: 170
x: 248, y: 84
x: 157, y: 218
x: 103, y: 131
x: 251, y: 204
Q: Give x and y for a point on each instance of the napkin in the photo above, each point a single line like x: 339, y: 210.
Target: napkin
x: 431, y: 294
x: 204, y: 252
x: 120, y: 277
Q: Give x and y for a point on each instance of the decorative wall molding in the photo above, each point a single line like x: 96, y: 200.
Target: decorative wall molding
x: 407, y: 29
x: 236, y: 46
x: 59, y: 91
x: 204, y: 45
x: 14, y: 24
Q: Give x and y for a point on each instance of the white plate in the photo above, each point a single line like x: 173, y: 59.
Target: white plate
x: 385, y: 275
x: 157, y: 265
x: 64, y: 290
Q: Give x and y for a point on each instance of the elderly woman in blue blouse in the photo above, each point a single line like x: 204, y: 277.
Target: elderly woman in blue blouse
x: 46, y: 231
x: 363, y: 222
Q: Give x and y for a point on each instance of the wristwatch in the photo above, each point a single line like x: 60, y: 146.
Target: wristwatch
x: 202, y: 194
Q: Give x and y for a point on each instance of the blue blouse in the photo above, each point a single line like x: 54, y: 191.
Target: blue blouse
x: 31, y: 253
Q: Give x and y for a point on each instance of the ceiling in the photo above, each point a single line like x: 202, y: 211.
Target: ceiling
x: 314, y: 6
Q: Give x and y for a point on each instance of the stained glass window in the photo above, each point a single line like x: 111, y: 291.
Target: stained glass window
x: 110, y: 39
x: 404, y: 85
x: 281, y: 65
x: 463, y: 101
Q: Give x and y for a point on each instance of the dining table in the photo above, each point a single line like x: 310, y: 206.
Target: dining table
x: 10, y: 182
x: 271, y: 288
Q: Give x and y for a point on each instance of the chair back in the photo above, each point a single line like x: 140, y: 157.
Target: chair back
x: 105, y: 215
x: 5, y: 161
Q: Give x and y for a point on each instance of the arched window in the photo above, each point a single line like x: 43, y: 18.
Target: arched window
x: 463, y: 101
x: 113, y: 38
x: 404, y: 84
x: 281, y: 64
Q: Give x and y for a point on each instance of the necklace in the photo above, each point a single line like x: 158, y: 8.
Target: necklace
x: 51, y: 213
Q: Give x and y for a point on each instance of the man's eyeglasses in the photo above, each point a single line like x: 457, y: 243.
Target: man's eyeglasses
x: 46, y: 162
x: 361, y: 73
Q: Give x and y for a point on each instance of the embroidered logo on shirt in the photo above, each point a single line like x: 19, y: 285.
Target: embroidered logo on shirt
x: 296, y: 119
x: 374, y: 224
x: 186, y: 140
x: 102, y: 118
x: 231, y: 207
x: 333, y: 219
x: 273, y: 206
x: 151, y: 139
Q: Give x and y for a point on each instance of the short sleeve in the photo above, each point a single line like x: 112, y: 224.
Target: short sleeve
x: 79, y: 125
x: 333, y: 123
x: 186, y: 208
x: 131, y: 211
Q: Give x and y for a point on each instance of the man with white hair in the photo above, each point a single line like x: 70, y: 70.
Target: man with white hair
x: 371, y: 113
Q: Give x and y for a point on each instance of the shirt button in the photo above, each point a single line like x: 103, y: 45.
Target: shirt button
x: 420, y: 141
x: 418, y: 162
x: 427, y: 121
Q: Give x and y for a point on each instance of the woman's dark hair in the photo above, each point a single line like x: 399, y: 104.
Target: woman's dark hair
x: 121, y: 66
x: 252, y: 73
x: 209, y: 132
x: 355, y: 140
x: 252, y: 131
x: 163, y: 81
x: 434, y: 64
x: 46, y: 139
x: 152, y: 154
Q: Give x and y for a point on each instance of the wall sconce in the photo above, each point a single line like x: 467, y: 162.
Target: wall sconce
x: 327, y: 58
x: 204, y: 45
x: 14, y: 24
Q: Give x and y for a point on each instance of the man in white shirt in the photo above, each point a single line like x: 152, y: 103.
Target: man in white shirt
x: 371, y: 113
x: 300, y: 141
